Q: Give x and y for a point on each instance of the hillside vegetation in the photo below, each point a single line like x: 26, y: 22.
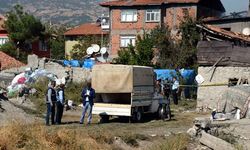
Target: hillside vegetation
x: 73, y: 12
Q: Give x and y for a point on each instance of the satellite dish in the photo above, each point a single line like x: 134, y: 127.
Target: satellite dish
x: 103, y: 50
x: 90, y: 50
x: 104, y: 20
x: 246, y: 31
x: 96, y: 48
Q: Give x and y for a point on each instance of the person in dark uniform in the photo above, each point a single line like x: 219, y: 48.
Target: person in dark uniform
x: 50, y: 102
x: 60, y: 103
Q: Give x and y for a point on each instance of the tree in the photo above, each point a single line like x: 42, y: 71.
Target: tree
x: 140, y: 54
x: 57, y: 41
x: 177, y: 53
x: 23, y: 28
x: 188, y: 43
x: 167, y: 51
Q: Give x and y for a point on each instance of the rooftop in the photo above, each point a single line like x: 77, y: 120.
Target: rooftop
x: 144, y: 2
x: 224, y: 33
x: 8, y: 62
x: 212, y: 3
x: 86, y: 29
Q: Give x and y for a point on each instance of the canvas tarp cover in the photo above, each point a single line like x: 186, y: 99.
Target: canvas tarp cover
x: 120, y: 78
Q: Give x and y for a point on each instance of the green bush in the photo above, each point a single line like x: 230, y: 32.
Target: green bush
x: 73, y: 91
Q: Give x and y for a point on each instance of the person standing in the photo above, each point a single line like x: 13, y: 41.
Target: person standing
x: 88, y: 95
x: 60, y: 103
x: 175, y: 90
x: 25, y: 93
x: 50, y: 102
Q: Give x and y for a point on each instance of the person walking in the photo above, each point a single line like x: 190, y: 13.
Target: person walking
x: 88, y: 95
x: 50, y: 102
x: 175, y: 90
x: 60, y: 103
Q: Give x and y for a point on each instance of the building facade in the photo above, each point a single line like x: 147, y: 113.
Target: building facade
x: 3, y: 33
x: 129, y: 18
x: 38, y: 47
x: 72, y: 36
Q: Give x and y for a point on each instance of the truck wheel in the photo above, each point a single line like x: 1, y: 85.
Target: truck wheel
x: 161, y: 112
x: 138, y: 115
x: 104, y: 119
x: 164, y: 113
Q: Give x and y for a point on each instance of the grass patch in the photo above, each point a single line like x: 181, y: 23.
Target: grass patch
x: 131, y: 139
x: 174, y: 142
x: 73, y: 91
x: 184, y: 105
x: 36, y: 136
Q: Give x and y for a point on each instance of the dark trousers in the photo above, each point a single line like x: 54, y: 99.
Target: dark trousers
x: 59, y: 112
x: 175, y: 96
x: 53, y: 111
x: 50, y: 113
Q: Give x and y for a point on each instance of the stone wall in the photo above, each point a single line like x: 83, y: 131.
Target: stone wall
x: 79, y: 74
x: 210, y: 96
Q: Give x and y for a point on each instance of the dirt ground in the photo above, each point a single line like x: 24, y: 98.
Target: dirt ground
x: 144, y: 135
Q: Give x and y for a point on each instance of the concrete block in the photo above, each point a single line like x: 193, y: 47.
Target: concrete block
x: 202, y: 122
x: 33, y: 61
x: 214, y: 142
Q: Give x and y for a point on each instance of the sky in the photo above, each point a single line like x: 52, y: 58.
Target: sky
x: 235, y: 5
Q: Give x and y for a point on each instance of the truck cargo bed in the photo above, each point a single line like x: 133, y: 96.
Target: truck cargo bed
x: 111, y: 109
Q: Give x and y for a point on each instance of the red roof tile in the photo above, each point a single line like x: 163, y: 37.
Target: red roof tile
x: 86, y: 29
x: 225, y: 33
x: 144, y: 2
x: 8, y: 62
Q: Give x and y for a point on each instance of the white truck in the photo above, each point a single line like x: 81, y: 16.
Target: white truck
x: 124, y: 90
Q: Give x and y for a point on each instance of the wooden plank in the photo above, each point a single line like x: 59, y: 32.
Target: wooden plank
x: 112, y: 105
x: 215, y: 64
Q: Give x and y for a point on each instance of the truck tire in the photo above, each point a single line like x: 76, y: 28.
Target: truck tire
x: 161, y: 112
x: 137, y: 116
x: 164, y: 112
x: 104, y: 119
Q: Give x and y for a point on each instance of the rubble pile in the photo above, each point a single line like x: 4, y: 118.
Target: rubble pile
x: 211, y: 134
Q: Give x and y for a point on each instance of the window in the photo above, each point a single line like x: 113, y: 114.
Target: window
x: 153, y: 15
x: 126, y: 40
x: 43, y: 46
x: 129, y: 15
x: 3, y: 40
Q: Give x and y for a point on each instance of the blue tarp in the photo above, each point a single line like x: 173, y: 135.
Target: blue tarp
x: 74, y: 63
x: 187, y: 74
x: 66, y: 63
x: 88, y: 63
